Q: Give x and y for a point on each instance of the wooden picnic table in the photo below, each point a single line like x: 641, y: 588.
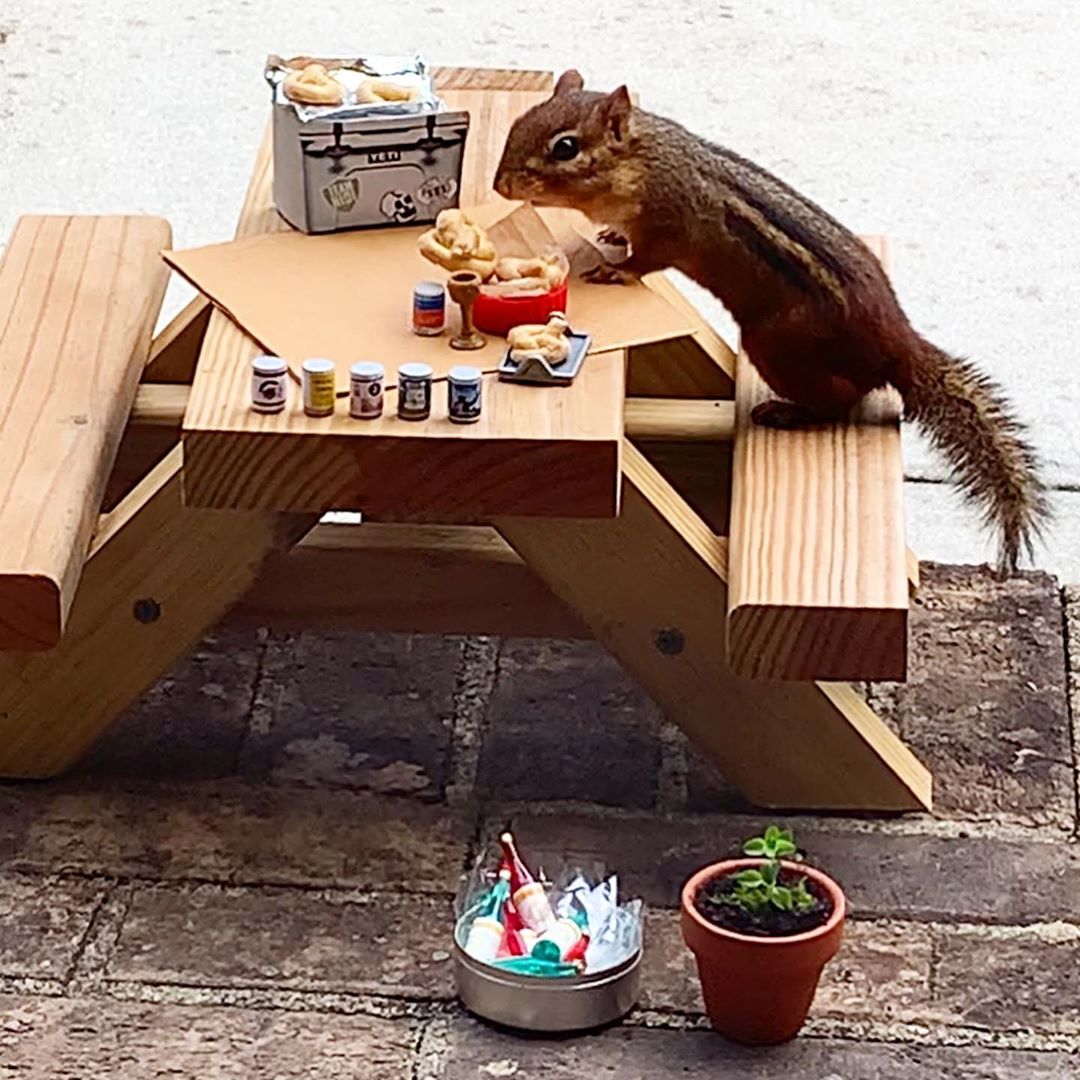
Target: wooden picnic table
x: 745, y: 574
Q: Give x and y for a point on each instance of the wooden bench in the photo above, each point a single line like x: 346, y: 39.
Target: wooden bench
x: 78, y: 300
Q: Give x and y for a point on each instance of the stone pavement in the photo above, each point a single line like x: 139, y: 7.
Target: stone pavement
x: 251, y: 876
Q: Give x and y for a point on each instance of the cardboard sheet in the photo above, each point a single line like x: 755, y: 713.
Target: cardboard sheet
x: 348, y: 296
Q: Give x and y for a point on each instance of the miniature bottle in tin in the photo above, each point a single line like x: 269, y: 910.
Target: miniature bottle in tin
x: 269, y: 384
x: 365, y: 391
x: 429, y: 309
x: 319, y: 390
x: 414, y: 391
x: 528, y: 894
x: 486, y: 932
x: 464, y: 386
x: 556, y: 942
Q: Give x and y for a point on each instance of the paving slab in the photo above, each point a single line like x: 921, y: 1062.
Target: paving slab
x: 985, y: 703
x: 1016, y: 979
x: 564, y: 722
x: 191, y: 723
x: 287, y: 940
x: 882, y: 973
x: 234, y: 832
x: 362, y: 711
x: 43, y: 1039
x: 43, y: 921
x: 478, y: 1053
x: 885, y: 874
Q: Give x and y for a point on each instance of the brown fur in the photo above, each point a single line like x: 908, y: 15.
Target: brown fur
x: 818, y: 316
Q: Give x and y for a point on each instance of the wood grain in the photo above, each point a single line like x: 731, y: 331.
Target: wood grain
x: 416, y: 579
x: 78, y: 301
x: 818, y: 585
x: 187, y: 565
x: 465, y: 78
x: 651, y: 588
x: 674, y: 419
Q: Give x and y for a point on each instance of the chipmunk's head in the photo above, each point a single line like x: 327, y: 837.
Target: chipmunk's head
x: 566, y: 151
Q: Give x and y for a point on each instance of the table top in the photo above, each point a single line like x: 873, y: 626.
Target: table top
x: 567, y: 438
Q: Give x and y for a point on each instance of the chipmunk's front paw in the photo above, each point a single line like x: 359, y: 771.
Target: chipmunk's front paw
x: 612, y: 238
x: 606, y: 274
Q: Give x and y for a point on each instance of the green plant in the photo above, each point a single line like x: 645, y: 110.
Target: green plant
x: 756, y: 890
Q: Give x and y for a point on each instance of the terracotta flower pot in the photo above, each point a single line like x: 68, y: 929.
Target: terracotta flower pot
x: 758, y: 990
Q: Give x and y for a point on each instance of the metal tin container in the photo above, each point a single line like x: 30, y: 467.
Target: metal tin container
x: 359, y: 165
x: 269, y: 384
x: 318, y: 377
x: 366, y: 390
x: 464, y: 389
x: 532, y: 1004
x: 429, y: 309
x: 414, y: 391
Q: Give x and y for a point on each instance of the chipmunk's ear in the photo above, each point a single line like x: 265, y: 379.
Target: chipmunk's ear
x: 570, y: 82
x: 615, y: 110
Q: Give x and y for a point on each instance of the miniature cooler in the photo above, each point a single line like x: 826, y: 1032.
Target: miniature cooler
x: 354, y: 166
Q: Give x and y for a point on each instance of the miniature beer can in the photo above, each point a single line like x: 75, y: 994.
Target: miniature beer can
x: 464, y: 386
x: 414, y: 391
x: 429, y: 309
x: 365, y: 390
x: 319, y: 391
x: 269, y: 384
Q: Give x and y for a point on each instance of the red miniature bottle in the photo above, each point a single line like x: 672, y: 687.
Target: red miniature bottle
x: 527, y: 894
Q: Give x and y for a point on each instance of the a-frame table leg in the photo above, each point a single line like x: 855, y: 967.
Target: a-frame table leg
x: 158, y: 576
x: 651, y: 588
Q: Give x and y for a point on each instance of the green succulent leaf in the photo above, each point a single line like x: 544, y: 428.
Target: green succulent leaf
x: 801, y: 895
x: 750, y: 878
x: 782, y: 898
x: 754, y: 847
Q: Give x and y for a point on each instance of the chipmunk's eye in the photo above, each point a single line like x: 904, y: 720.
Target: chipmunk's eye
x: 565, y: 148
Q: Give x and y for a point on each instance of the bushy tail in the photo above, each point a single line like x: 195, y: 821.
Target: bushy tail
x: 968, y: 419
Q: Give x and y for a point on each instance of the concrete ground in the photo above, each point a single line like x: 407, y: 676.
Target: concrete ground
x: 953, y: 131
x: 251, y: 876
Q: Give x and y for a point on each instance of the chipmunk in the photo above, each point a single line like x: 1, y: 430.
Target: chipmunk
x: 817, y: 314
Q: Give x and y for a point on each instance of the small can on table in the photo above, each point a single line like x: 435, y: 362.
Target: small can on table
x: 365, y: 390
x: 269, y: 384
x: 414, y: 391
x: 319, y: 389
x: 464, y: 394
x: 429, y: 309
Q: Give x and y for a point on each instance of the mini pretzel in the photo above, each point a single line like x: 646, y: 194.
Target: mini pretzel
x: 374, y: 91
x: 549, y: 340
x: 542, y: 273
x: 456, y: 243
x: 314, y: 86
